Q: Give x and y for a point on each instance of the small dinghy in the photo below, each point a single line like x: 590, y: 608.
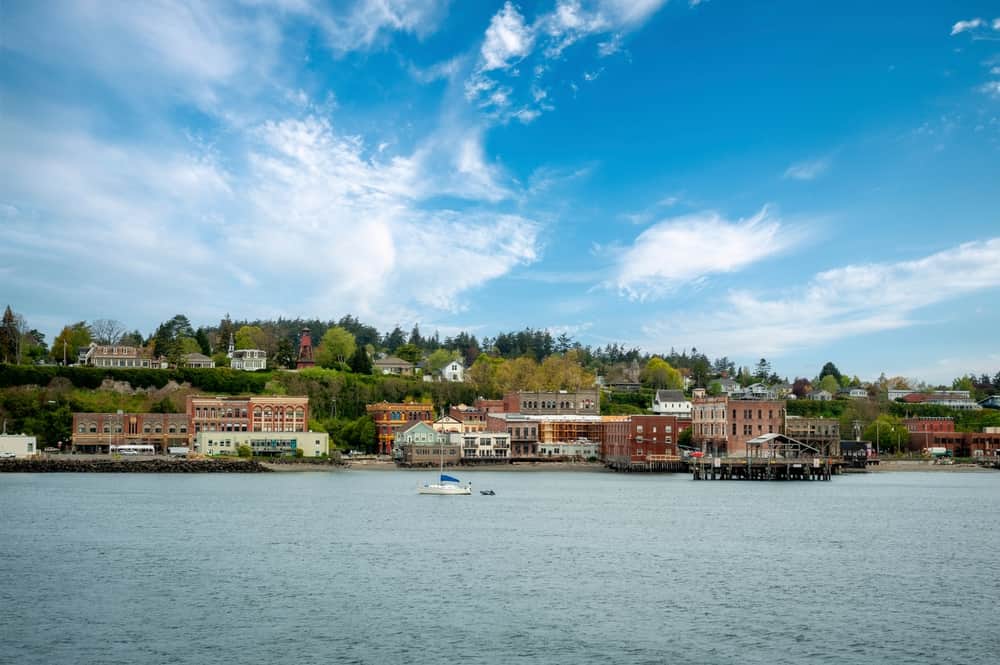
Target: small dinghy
x: 487, y: 492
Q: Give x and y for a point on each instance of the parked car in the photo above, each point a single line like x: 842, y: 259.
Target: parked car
x: 6, y: 454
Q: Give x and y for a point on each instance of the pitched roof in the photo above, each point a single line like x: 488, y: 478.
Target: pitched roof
x: 670, y: 396
x: 392, y: 360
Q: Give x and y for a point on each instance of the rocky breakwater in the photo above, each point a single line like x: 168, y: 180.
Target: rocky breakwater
x: 158, y: 465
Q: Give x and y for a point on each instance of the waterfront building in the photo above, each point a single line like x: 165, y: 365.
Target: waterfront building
x: 419, y: 444
x: 485, y: 448
x: 640, y: 441
x: 473, y: 419
x: 528, y: 432
x: 97, y: 432
x: 523, y: 432
x: 20, y: 446
x: 249, y: 360
x: 554, y: 402
x: 263, y: 444
x: 393, y: 417
x: 961, y: 444
x: 256, y: 413
x: 122, y: 356
x: 579, y: 450
x: 671, y: 403
x: 823, y: 434
x: 447, y: 424
x: 724, y: 425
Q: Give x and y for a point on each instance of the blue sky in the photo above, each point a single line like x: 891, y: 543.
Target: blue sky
x: 801, y: 181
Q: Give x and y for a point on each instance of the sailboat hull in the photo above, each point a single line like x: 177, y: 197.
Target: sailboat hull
x: 444, y: 489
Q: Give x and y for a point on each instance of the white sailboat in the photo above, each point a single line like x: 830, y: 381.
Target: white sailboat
x: 446, y: 484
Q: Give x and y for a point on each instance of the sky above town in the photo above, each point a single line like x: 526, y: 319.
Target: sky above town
x: 796, y: 180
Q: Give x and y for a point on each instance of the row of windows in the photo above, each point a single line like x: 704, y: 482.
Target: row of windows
x: 553, y: 404
x: 410, y: 415
x: 213, y: 412
x: 127, y: 362
x: 748, y: 414
x: 147, y: 429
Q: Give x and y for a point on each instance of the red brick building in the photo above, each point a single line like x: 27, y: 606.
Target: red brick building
x: 490, y: 405
x: 473, y: 419
x: 97, y: 432
x: 964, y: 444
x: 256, y: 413
x: 392, y: 417
x: 923, y: 429
x: 640, y: 441
x: 523, y: 432
x: 725, y: 425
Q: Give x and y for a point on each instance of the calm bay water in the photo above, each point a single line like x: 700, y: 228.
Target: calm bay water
x: 559, y: 567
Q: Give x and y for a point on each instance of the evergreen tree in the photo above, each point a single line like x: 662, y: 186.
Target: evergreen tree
x: 360, y: 362
x: 395, y: 339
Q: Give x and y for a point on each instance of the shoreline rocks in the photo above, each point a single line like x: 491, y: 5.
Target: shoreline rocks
x: 158, y: 465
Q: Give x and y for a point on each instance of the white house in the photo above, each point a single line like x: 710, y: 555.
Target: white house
x: 484, y: 446
x: 671, y: 403
x: 820, y: 396
x: 18, y: 445
x: 453, y: 371
x: 249, y: 360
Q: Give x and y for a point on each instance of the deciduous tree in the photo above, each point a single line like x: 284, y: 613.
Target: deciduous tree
x: 107, y: 331
x: 659, y: 374
x: 336, y: 346
x: 69, y: 341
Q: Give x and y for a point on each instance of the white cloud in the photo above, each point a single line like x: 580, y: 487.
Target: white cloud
x: 844, y: 302
x: 807, y: 170
x: 996, y: 24
x: 687, y: 249
x: 511, y: 39
x: 508, y: 40
x: 321, y: 219
x: 364, y: 24
x: 991, y: 88
x: 964, y: 26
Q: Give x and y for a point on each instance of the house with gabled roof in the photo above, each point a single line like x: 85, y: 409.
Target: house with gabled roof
x: 393, y: 365
x: 671, y: 403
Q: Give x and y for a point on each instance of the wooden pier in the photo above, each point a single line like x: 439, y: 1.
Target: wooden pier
x: 647, y: 464
x: 765, y: 468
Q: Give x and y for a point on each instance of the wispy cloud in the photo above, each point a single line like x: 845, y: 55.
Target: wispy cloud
x: 334, y: 220
x: 808, y: 170
x: 513, y: 43
x: 991, y: 88
x: 841, y: 303
x: 683, y: 250
x: 965, y: 26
